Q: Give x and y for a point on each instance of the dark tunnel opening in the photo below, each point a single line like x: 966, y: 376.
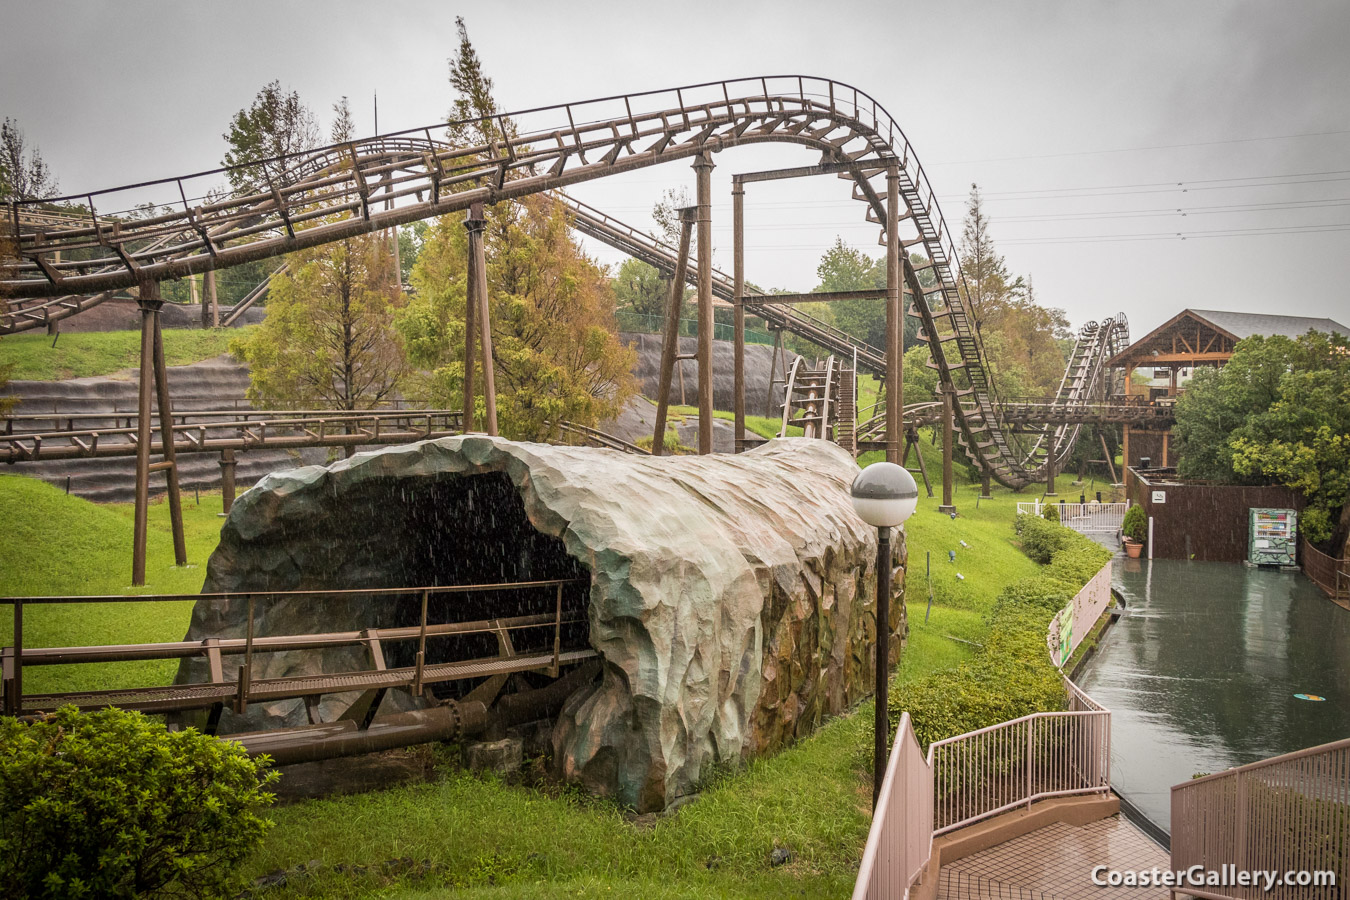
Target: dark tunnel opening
x: 469, y: 530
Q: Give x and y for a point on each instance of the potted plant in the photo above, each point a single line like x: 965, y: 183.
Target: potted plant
x: 1135, y: 529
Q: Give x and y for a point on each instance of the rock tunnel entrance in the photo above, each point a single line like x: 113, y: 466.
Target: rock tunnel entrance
x: 724, y: 602
x: 473, y: 530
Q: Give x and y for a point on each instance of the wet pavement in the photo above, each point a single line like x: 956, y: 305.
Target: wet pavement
x: 1202, y: 672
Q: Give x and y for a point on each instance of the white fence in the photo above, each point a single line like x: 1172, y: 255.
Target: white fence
x: 1085, y: 518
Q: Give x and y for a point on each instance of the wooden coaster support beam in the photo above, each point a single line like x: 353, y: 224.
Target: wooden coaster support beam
x: 154, y: 376
x: 894, y: 316
x: 703, y: 166
x: 670, y: 338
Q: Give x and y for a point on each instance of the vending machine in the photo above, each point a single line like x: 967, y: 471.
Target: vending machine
x: 1272, y: 538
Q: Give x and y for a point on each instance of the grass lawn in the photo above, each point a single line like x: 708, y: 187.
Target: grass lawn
x: 56, y: 544
x: 488, y: 838
x: 82, y: 354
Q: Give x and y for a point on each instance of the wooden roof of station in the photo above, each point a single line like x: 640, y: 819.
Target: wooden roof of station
x: 1200, y: 336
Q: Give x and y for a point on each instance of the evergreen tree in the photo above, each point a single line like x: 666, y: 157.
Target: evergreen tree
x: 328, y: 340
x: 24, y: 175
x: 555, y: 352
x: 471, y: 118
x: 275, y: 124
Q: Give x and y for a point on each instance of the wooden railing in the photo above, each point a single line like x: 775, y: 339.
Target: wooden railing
x: 1330, y: 574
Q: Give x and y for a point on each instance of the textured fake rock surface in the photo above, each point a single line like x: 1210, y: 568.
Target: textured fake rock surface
x: 731, y: 596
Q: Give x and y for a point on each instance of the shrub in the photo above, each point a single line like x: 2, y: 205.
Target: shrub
x: 113, y: 804
x: 1012, y: 676
x: 1042, y: 539
x: 1050, y: 513
x: 1078, y: 562
x: 1135, y: 524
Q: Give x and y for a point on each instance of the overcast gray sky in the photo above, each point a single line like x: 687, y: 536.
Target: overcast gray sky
x: 1101, y: 133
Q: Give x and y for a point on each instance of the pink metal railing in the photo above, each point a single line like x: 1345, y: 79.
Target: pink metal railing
x: 999, y: 768
x: 1286, y: 814
x: 900, y: 841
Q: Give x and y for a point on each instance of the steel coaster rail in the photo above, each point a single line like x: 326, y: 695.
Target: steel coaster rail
x: 315, y: 198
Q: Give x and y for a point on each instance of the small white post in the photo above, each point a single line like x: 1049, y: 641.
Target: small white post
x: 1150, y: 537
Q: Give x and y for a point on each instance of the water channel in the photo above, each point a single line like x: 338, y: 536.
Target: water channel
x: 1201, y: 672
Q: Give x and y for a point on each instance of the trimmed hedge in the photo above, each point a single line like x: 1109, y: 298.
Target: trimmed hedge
x: 1042, y: 539
x: 1012, y: 675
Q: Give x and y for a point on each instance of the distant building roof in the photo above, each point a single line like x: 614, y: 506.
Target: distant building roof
x: 1242, y: 325
x: 1208, y: 335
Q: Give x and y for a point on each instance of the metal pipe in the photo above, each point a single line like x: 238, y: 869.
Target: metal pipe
x: 881, y: 725
x: 473, y: 223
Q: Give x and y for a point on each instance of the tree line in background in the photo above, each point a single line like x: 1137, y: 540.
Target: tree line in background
x: 1277, y: 412
x: 341, y: 332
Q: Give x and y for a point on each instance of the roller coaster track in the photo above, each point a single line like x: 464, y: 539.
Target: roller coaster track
x: 322, y: 196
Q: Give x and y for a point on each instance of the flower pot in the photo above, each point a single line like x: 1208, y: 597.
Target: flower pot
x: 1133, y: 548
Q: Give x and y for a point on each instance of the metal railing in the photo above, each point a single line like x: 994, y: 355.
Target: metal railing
x: 225, y: 430
x: 900, y: 841
x: 975, y: 776
x: 1286, y: 815
x: 1085, y: 518
x: 1330, y: 574
x: 15, y: 658
x: 990, y: 771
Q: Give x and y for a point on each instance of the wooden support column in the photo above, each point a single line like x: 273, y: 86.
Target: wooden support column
x: 670, y: 337
x: 773, y: 368
x: 226, y: 481
x: 1125, y: 454
x: 703, y: 167
x: 473, y: 223
x: 894, y: 316
x: 212, y: 299
x: 947, y: 505
x: 1050, y: 471
x: 153, y: 374
x: 170, y: 461
x: 479, y: 260
x: 738, y: 244
x: 1106, y: 454
x: 984, y: 484
x: 145, y: 388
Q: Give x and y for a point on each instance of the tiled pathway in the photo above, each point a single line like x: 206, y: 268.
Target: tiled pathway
x: 1056, y: 863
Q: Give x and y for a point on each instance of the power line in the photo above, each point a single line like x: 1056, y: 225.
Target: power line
x: 1181, y: 235
x: 1278, y: 137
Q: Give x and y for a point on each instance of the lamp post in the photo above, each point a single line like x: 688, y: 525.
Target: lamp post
x: 884, y: 496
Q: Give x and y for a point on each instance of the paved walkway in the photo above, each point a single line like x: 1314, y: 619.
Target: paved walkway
x: 1056, y: 863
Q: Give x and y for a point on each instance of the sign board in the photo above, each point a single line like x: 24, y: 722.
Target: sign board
x: 1160, y: 496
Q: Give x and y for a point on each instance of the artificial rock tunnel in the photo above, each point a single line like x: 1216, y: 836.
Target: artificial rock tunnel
x: 729, y: 598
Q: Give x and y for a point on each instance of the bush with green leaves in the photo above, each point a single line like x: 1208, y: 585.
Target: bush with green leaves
x: 113, y: 804
x: 1135, y: 524
x: 1050, y: 513
x: 1012, y: 675
x: 1042, y: 539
